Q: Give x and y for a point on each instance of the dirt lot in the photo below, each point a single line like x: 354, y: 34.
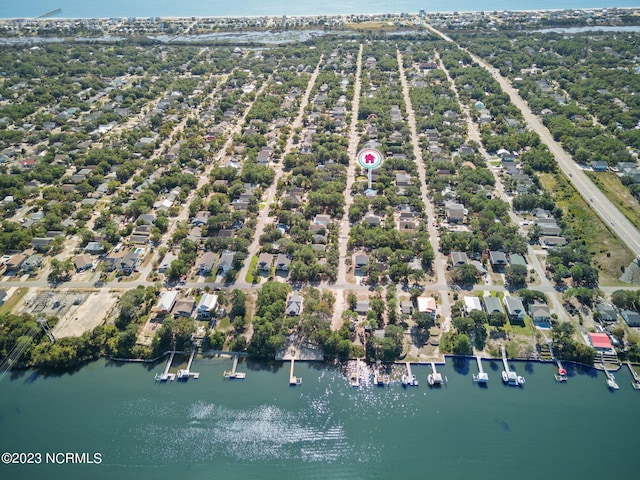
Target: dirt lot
x: 87, y: 315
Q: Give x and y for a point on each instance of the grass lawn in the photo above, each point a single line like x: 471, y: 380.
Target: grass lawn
x: 8, y: 306
x: 620, y: 196
x: 610, y: 255
x: 224, y: 324
x: 249, y: 278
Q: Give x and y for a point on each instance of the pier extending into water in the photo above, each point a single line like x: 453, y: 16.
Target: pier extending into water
x: 164, y: 376
x: 184, y: 374
x: 409, y: 378
x: 233, y: 374
x: 636, y: 378
x: 611, y: 380
x: 509, y: 376
x: 293, y: 380
x: 481, y: 376
x: 434, y: 378
x: 354, y: 378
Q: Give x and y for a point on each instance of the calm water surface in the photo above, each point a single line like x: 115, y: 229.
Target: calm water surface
x: 261, y: 428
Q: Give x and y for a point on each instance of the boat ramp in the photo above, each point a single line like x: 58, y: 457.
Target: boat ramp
x: 233, y: 374
x: 509, y: 376
x: 481, y: 376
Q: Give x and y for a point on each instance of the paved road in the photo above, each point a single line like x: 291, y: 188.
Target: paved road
x: 439, y: 260
x: 264, y: 218
x: 600, y: 204
x: 343, y: 228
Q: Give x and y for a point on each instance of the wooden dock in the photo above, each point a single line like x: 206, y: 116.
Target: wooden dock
x: 409, y: 378
x: 481, y: 376
x: 434, y: 378
x: 293, y: 380
x: 354, y: 379
x: 233, y: 374
x: 611, y: 380
x: 185, y: 374
x: 164, y: 376
x: 636, y: 378
x: 509, y: 376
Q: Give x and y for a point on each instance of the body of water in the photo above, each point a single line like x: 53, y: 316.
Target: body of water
x: 264, y: 429
x: 220, y: 8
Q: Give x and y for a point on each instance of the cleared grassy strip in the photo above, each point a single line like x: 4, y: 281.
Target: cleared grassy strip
x: 610, y: 255
x: 8, y: 306
x: 612, y: 187
x: 249, y: 278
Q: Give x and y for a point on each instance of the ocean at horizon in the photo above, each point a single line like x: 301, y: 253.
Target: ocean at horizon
x: 262, y: 428
x: 219, y: 8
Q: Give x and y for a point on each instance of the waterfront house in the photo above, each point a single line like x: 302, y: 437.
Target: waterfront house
x: 540, y: 312
x: 601, y: 342
x: 166, y: 301
x: 515, y: 307
x: 294, y: 305
x: 206, y: 306
x: 183, y: 307
x: 427, y: 305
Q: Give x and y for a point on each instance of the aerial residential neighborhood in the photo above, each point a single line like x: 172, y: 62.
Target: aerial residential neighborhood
x: 161, y: 195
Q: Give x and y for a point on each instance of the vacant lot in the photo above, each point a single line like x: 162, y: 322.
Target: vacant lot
x: 610, y: 255
x: 86, y: 316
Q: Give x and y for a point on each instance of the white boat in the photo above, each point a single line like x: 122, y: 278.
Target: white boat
x: 405, y: 380
x: 430, y: 380
x: 635, y: 385
x: 612, y: 383
x: 505, y: 377
x: 414, y: 381
x: 183, y: 374
x: 521, y: 380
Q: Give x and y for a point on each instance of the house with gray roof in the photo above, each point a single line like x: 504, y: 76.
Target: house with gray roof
x: 515, y: 307
x: 459, y: 258
x: 294, y: 305
x: 226, y: 262
x: 264, y: 262
x: 606, y: 312
x: 492, y: 304
x: 632, y: 318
